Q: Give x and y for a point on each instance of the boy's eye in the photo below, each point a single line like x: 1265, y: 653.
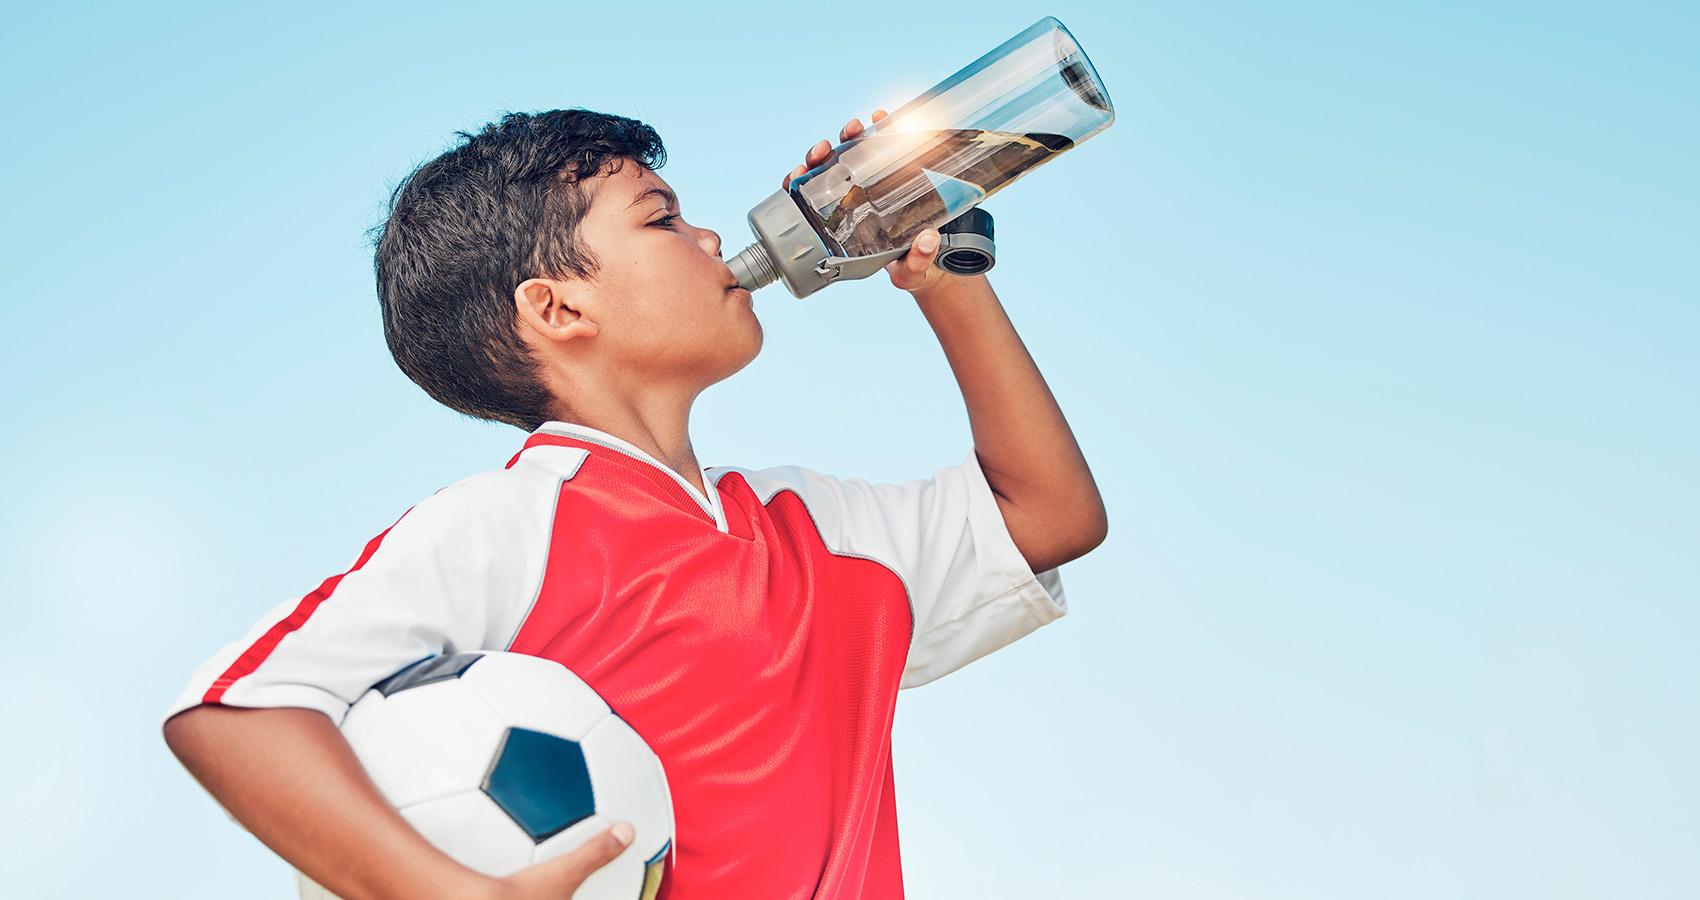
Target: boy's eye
x: 666, y: 221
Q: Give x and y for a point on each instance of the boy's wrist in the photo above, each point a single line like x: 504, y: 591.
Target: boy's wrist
x: 466, y: 884
x: 437, y: 876
x: 949, y: 288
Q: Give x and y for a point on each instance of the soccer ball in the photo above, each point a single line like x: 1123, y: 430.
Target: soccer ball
x: 503, y: 760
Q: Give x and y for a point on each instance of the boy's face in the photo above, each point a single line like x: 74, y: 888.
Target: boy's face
x: 659, y: 307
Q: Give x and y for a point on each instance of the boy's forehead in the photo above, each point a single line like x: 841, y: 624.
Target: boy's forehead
x: 629, y: 188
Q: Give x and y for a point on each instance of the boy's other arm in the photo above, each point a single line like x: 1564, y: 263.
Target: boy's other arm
x: 1030, y: 458
x: 288, y: 775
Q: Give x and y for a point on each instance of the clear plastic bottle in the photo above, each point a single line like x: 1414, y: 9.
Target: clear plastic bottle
x: 1024, y: 103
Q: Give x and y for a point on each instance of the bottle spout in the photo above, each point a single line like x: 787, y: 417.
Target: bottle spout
x: 753, y: 267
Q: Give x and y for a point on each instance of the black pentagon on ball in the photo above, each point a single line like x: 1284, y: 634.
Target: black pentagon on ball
x: 429, y: 670
x: 541, y: 782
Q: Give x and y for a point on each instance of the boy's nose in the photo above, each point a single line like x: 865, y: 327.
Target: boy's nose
x: 711, y: 241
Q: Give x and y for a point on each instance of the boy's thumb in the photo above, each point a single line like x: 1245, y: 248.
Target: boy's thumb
x: 571, y: 869
x: 925, y: 245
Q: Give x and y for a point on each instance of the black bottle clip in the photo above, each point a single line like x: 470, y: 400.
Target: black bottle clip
x: 965, y: 244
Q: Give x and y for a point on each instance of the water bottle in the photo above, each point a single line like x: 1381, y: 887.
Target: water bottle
x: 930, y: 164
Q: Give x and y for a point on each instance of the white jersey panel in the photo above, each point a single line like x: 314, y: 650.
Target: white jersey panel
x: 458, y: 571
x: 970, y: 590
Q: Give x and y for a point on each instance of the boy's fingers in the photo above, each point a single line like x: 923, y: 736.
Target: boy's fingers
x: 817, y: 153
x: 821, y: 148
x: 810, y: 159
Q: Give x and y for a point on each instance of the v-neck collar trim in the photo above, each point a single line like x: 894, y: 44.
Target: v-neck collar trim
x: 710, y: 502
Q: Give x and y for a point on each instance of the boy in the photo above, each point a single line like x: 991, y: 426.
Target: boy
x: 753, y: 625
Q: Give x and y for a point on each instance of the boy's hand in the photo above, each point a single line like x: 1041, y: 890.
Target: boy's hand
x: 913, y: 272
x: 558, y: 878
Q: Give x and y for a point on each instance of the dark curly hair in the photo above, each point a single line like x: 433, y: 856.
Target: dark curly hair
x: 464, y: 229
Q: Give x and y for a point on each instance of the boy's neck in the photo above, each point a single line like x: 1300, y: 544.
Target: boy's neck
x: 663, y: 435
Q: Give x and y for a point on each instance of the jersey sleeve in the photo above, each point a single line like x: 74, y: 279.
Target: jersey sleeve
x: 454, y: 573
x: 970, y: 590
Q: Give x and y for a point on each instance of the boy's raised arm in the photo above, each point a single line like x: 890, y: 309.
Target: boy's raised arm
x: 1031, y: 460
x: 297, y: 786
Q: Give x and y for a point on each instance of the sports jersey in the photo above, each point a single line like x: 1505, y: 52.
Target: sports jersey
x: 756, y: 636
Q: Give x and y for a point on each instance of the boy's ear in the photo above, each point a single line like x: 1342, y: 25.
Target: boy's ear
x: 551, y: 308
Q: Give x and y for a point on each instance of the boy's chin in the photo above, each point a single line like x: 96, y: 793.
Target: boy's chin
x: 735, y: 363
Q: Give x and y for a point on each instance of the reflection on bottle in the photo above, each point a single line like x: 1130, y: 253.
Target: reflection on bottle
x: 877, y: 192
x: 957, y: 196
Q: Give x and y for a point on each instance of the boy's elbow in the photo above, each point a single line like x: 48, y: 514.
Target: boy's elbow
x: 1092, y: 532
x: 183, y: 730
x: 1066, y: 550
x: 1085, y: 544
x: 1064, y: 537
x: 1099, y: 531
x: 1087, y: 520
x: 200, y: 732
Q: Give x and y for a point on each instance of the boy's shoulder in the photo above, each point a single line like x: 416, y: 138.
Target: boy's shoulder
x: 820, y: 486
x: 481, y: 506
x: 854, y: 514
x: 540, y: 466
x: 766, y: 481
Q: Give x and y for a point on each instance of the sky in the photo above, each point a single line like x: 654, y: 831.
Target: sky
x: 1377, y: 324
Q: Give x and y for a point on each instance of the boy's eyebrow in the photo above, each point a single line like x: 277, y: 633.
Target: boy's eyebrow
x: 653, y: 191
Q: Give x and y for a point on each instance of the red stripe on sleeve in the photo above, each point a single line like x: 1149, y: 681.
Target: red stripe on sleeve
x: 262, y: 648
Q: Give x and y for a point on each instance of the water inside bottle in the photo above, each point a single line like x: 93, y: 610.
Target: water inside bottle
x: 877, y: 192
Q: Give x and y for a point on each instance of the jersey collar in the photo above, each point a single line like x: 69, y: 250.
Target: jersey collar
x: 710, y: 503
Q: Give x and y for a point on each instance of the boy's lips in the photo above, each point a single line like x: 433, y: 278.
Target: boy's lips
x: 733, y: 287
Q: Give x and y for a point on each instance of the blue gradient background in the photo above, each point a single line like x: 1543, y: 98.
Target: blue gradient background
x: 1377, y: 323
